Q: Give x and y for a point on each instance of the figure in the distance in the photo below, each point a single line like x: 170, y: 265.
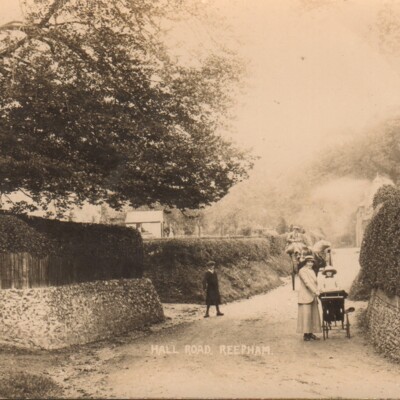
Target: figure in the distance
x: 211, y: 287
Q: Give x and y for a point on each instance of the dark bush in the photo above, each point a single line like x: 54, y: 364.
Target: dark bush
x: 196, y: 252
x: 246, y: 231
x: 246, y: 266
x: 278, y: 244
x: 78, y: 252
x: 360, y: 290
x: 380, y: 249
x: 22, y: 385
x: 385, y: 193
x: 17, y: 236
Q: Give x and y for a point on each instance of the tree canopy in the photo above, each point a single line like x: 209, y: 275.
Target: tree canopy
x: 94, y: 107
x: 364, y: 156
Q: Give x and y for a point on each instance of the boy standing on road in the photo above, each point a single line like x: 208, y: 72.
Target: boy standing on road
x: 210, y: 286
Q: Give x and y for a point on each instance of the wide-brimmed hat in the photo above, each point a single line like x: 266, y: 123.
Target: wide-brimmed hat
x: 296, y: 227
x: 329, y: 268
x: 306, y: 252
x: 309, y: 258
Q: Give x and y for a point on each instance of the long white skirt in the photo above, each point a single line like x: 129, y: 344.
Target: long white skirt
x: 308, y: 319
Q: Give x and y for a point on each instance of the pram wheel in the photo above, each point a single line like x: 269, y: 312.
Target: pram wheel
x: 334, y: 314
x: 347, y: 326
x: 325, y: 329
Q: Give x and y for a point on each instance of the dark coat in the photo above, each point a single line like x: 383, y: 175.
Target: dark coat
x: 210, y: 284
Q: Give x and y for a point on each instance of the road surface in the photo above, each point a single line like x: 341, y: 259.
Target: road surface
x: 252, y: 351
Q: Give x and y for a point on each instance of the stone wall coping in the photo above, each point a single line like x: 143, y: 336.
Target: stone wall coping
x: 391, y: 301
x: 111, y: 282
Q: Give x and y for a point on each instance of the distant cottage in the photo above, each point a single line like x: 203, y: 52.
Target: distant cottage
x: 149, y: 223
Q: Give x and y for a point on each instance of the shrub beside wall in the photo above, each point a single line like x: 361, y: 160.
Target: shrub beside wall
x: 246, y: 266
x: 76, y: 252
x: 359, y: 291
x: 88, y: 263
x: 16, y: 236
x: 380, y: 249
x: 380, y: 272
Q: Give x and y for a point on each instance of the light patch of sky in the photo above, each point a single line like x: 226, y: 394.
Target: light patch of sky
x: 10, y: 10
x: 317, y: 76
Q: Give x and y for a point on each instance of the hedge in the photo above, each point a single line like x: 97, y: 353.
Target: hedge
x: 83, y: 252
x: 359, y: 290
x: 380, y: 249
x: 247, y: 266
x: 17, y: 236
x: 196, y: 252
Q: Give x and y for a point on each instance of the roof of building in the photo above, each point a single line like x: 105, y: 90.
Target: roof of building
x: 138, y: 217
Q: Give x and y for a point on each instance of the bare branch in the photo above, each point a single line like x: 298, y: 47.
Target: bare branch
x: 51, y: 11
x: 73, y: 47
x: 11, y: 26
x: 28, y: 30
x: 9, y: 199
x: 24, y: 193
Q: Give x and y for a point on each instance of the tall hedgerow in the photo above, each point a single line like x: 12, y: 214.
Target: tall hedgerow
x: 17, y: 236
x: 196, y: 252
x: 79, y: 252
x: 380, y: 249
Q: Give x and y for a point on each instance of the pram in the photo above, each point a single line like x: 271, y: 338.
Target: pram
x: 334, y: 314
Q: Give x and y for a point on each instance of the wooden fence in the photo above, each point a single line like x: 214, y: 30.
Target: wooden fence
x: 22, y: 270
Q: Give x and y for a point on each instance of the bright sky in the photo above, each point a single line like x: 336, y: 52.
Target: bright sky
x: 320, y: 71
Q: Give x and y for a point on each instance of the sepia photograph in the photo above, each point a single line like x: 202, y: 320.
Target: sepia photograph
x: 199, y: 199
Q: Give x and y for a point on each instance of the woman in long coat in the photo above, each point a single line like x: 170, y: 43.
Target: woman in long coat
x: 211, y: 287
x: 308, y: 320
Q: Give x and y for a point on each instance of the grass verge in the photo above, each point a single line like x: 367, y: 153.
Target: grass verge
x: 22, y: 385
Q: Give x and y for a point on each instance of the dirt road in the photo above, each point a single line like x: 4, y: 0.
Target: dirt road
x: 252, y: 351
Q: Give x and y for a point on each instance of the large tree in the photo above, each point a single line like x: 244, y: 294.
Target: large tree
x: 94, y: 107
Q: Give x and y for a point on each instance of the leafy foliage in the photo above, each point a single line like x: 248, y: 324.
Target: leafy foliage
x: 79, y: 252
x: 282, y: 226
x: 363, y: 157
x: 17, y: 236
x: 93, y: 251
x: 95, y: 108
x: 359, y: 290
x: 380, y: 251
x: 385, y: 193
x: 196, y: 252
x: 22, y: 385
x: 245, y: 266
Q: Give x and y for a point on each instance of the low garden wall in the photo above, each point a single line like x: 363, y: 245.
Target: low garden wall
x: 246, y: 266
x: 56, y: 317
x: 383, y: 317
x: 65, y: 283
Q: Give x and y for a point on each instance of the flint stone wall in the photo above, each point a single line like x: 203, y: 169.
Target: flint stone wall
x: 383, y: 317
x: 57, y: 317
